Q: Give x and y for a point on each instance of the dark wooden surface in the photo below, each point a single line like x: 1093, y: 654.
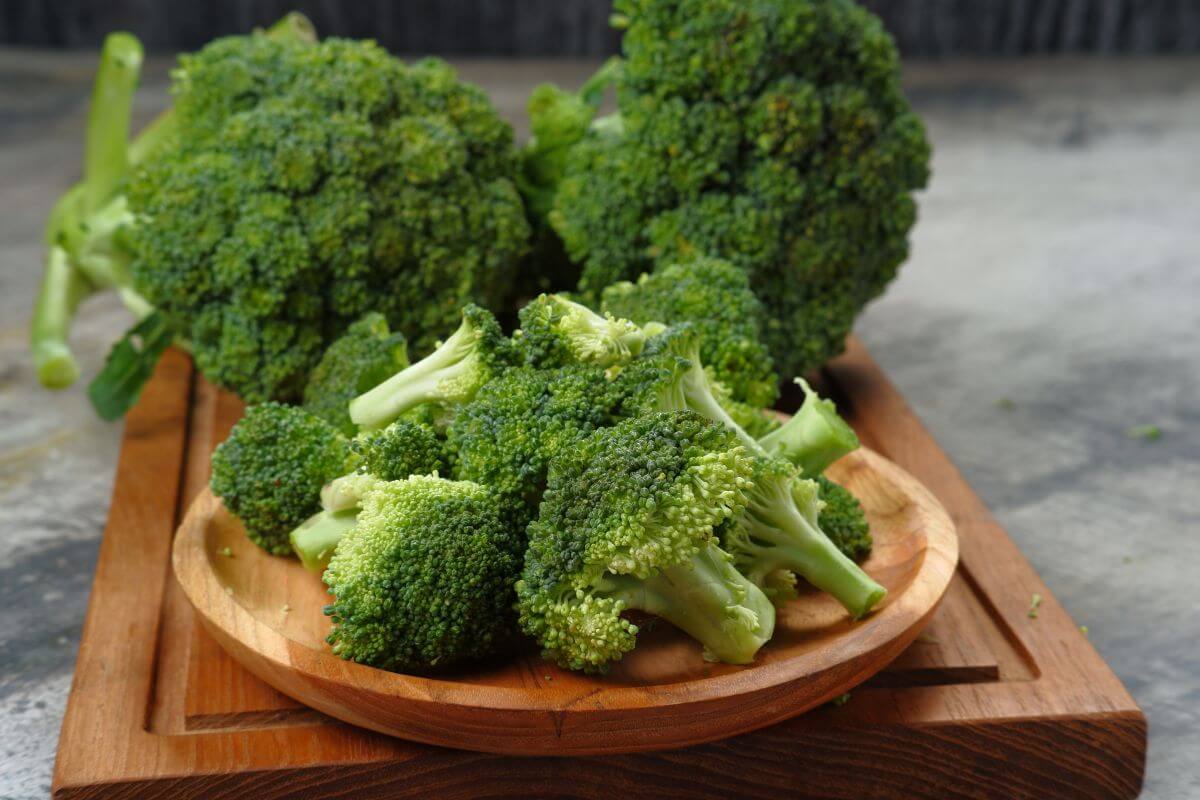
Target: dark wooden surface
x: 990, y: 703
x: 580, y: 27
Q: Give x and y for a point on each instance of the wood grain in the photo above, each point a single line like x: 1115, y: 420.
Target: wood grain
x: 1055, y: 723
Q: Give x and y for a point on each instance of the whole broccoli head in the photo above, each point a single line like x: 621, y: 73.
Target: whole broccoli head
x: 627, y: 523
x: 715, y: 296
x: 271, y: 469
x: 294, y: 186
x: 424, y: 578
x: 772, y: 134
x: 508, y: 435
x: 843, y: 520
x: 361, y: 358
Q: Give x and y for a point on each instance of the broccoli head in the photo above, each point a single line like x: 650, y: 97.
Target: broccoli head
x: 361, y: 358
x: 772, y: 134
x: 627, y: 523
x: 556, y: 331
x: 294, y: 186
x: 271, y: 469
x: 843, y: 520
x: 424, y: 578
x: 446, y: 378
x: 714, y: 296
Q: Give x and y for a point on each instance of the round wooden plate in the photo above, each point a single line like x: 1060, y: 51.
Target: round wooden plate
x: 266, y: 611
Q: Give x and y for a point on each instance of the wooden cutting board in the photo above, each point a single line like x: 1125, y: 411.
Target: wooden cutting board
x: 988, y: 702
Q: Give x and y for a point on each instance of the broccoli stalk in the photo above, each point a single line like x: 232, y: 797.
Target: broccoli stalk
x: 447, y: 377
x: 705, y: 597
x: 814, y: 437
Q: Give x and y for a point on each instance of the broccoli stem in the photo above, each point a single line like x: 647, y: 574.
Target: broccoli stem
x: 317, y: 537
x: 778, y: 536
x: 698, y: 396
x: 415, y: 384
x: 63, y: 288
x: 814, y: 437
x: 707, y: 598
x: 106, y: 159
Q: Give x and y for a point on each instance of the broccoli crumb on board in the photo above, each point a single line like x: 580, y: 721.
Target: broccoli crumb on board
x: 226, y: 551
x: 840, y: 700
x: 1149, y: 433
x: 1035, y: 603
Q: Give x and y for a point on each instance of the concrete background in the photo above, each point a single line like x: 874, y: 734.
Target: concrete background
x: 1052, y: 302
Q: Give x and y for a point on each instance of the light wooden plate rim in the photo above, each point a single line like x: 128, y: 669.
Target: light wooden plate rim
x: 887, y: 631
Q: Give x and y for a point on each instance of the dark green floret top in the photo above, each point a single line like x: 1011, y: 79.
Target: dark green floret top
x: 361, y: 358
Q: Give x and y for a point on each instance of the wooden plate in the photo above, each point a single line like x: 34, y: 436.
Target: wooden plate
x: 266, y: 611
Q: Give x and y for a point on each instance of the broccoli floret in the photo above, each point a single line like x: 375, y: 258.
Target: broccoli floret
x: 772, y: 134
x: 627, y: 523
x: 842, y: 519
x: 295, y: 186
x: 714, y: 296
x: 446, y: 378
x: 424, y: 578
x: 519, y: 422
x: 757, y: 422
x: 779, y: 529
x: 270, y: 470
x: 401, y: 449
x: 360, y: 359
x: 556, y: 331
x: 814, y: 437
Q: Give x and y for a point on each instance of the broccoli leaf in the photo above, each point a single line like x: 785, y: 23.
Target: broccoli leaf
x: 129, y: 365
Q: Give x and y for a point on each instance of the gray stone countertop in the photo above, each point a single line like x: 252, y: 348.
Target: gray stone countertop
x: 1051, y: 303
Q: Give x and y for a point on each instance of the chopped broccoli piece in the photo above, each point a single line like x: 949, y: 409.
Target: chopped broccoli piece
x: 359, y: 360
x: 556, y: 331
x: 627, y: 523
x: 814, y: 437
x: 424, y: 578
x: 715, y: 296
x: 401, y: 449
x: 446, y: 378
x: 270, y: 470
x: 843, y: 520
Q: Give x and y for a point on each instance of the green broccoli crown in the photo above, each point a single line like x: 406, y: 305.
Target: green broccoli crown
x: 270, y: 470
x: 843, y: 520
x: 627, y: 522
x: 424, y: 578
x: 715, y: 296
x: 556, y: 331
x: 446, y: 378
x: 520, y: 421
x: 309, y: 183
x: 367, y: 354
x: 771, y: 134
x: 401, y: 449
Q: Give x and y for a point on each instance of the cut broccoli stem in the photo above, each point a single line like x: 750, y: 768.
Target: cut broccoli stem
x: 106, y: 159
x: 775, y: 535
x: 316, y: 539
x: 697, y: 395
x: 63, y: 288
x: 708, y: 599
x: 814, y: 437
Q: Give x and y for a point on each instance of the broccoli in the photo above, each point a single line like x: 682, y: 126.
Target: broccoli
x: 359, y: 360
x: 424, y: 578
x: 556, y: 331
x: 627, y: 523
x: 507, y: 436
x: 772, y: 134
x: 446, y: 378
x: 779, y: 529
x: 842, y: 519
x: 270, y: 470
x: 814, y: 437
x: 294, y: 186
x: 714, y: 296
